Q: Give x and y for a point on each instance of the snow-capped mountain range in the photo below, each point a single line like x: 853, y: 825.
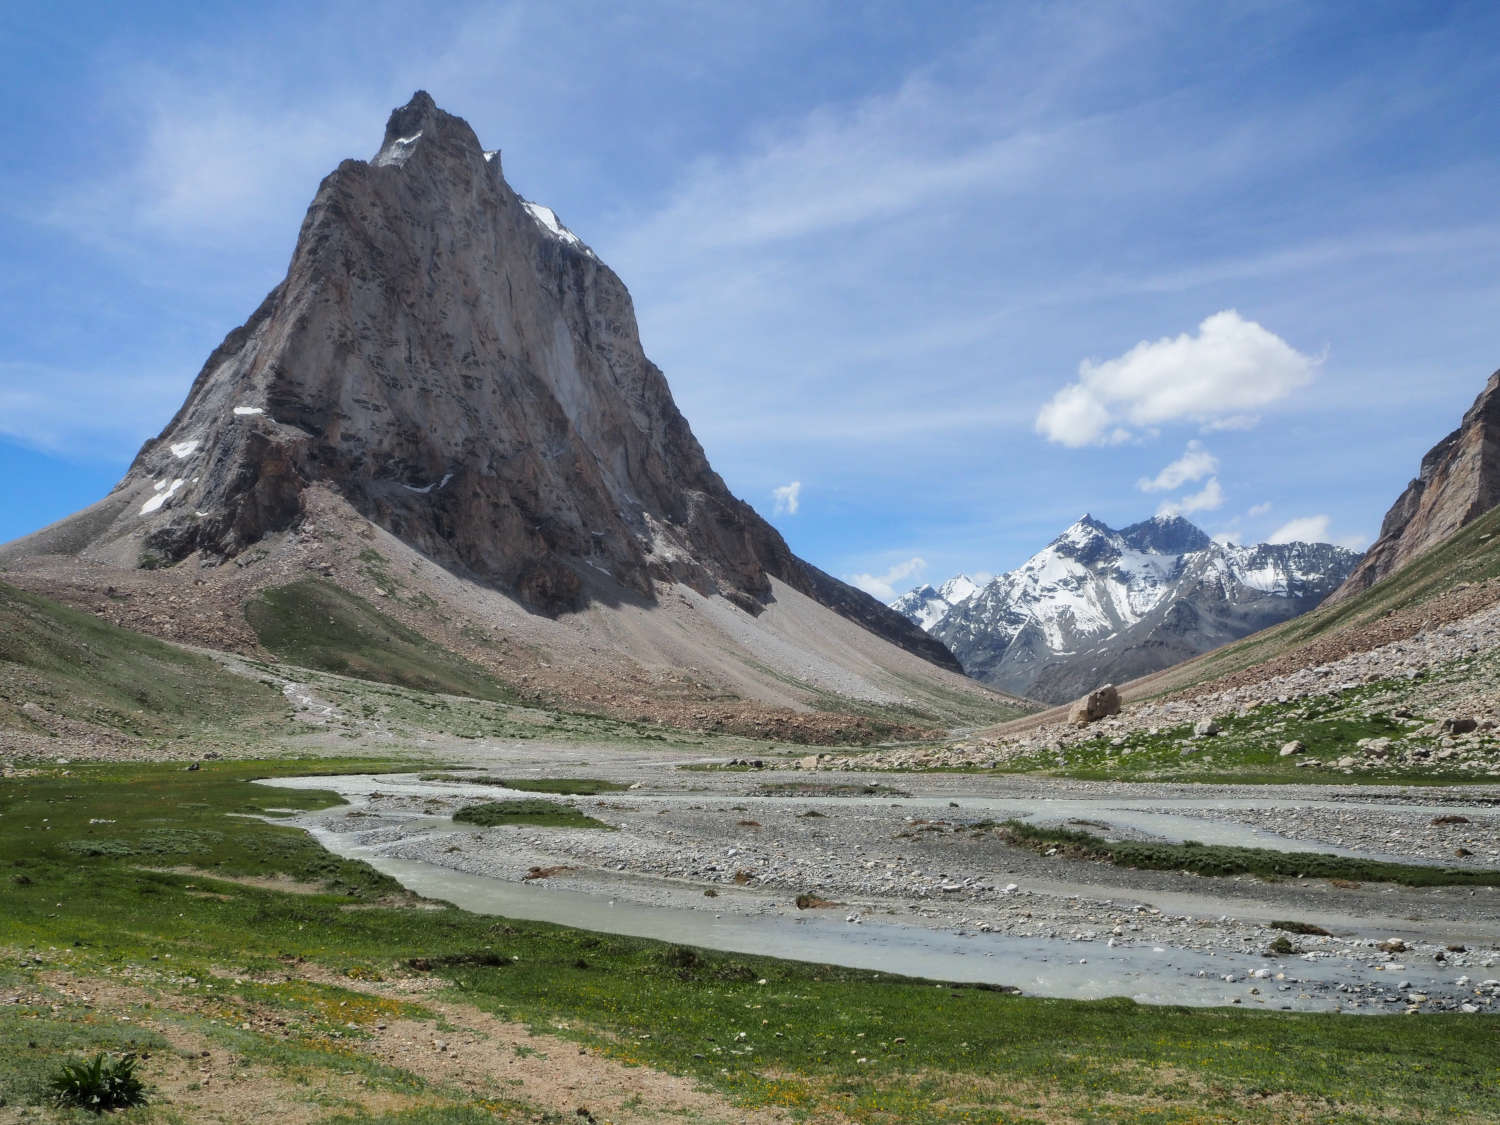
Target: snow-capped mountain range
x: 1103, y: 606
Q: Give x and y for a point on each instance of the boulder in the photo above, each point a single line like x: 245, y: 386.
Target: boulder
x: 1295, y: 746
x: 1097, y: 704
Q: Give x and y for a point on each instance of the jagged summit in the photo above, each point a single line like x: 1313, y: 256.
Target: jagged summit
x: 1099, y: 605
x: 1166, y: 535
x: 463, y: 371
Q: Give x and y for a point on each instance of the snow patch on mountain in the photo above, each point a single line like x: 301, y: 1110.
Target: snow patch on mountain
x: 1099, y: 604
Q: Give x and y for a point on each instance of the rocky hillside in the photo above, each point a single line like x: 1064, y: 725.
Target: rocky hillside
x: 1099, y: 605
x: 1459, y: 481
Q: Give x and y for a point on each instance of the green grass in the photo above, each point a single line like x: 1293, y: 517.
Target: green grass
x: 820, y: 1040
x: 529, y: 811
x: 76, y: 666
x: 1216, y: 859
x: 317, y: 625
x: 1247, y: 748
x: 566, y: 786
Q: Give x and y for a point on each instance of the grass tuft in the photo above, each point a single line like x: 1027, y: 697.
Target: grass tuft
x: 534, y: 812
x: 1213, y: 859
x: 98, y: 1085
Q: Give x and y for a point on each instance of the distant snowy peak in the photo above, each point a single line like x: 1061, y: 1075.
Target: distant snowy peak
x: 959, y: 588
x: 1095, y: 593
x: 1166, y: 535
x: 927, y: 606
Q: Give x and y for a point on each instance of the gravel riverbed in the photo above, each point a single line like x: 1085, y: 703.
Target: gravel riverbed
x: 907, y: 869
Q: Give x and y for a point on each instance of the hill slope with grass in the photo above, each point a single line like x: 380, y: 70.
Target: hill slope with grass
x: 65, y: 674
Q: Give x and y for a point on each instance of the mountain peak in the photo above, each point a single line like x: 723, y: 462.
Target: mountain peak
x: 1165, y: 535
x: 1098, y: 605
x: 456, y: 368
x: 421, y: 121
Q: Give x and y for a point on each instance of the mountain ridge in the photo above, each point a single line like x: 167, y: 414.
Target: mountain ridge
x: 1101, y: 605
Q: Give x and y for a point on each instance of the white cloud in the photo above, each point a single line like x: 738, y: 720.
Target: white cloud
x: 788, y: 498
x: 1230, y: 537
x: 883, y: 586
x: 1194, y: 464
x: 1215, y: 378
x: 1314, y: 529
x: 1211, y: 497
x: 1259, y: 509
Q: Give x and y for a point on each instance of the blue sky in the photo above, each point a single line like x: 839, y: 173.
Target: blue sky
x: 958, y: 272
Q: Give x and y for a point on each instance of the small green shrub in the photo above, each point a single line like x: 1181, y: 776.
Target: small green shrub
x: 100, y: 1084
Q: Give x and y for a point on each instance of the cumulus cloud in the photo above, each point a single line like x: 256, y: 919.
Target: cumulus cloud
x: 1195, y: 464
x: 1210, y: 497
x: 1314, y: 529
x: 1216, y: 378
x: 1259, y: 509
x: 788, y: 497
x: 883, y: 586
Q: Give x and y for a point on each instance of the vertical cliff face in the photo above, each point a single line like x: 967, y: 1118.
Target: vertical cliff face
x: 1459, y: 480
x: 467, y: 373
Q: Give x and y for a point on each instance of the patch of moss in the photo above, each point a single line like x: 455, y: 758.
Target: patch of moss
x: 533, y: 811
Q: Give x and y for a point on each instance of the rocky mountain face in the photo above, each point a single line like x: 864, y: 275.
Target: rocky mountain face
x: 463, y: 370
x: 1103, y: 606
x: 1459, y: 480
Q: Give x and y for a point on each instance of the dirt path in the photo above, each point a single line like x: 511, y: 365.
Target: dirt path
x: 461, y: 1053
x: 484, y: 1055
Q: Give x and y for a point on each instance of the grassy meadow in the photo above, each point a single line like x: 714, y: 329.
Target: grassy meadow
x: 152, y: 909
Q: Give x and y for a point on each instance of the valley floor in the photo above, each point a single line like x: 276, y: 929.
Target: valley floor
x: 1136, y: 921
x: 190, y: 917
x: 913, y: 876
